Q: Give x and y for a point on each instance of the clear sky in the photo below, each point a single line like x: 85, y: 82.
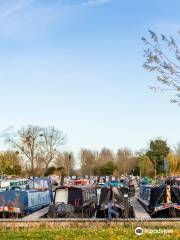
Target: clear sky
x: 77, y: 65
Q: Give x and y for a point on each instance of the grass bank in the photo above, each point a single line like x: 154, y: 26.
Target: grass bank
x: 100, y: 233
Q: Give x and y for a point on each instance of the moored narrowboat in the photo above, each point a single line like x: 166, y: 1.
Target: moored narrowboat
x: 6, y: 184
x: 74, y: 201
x: 20, y: 202
x: 160, y: 201
x: 113, y: 202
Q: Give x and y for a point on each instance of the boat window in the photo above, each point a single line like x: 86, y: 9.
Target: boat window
x: 38, y: 184
x: 61, y: 196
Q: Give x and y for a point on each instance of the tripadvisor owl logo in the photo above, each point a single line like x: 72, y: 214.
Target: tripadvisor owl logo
x: 139, y: 231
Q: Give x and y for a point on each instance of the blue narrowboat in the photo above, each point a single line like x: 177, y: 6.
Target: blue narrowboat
x: 25, y: 201
x: 6, y: 184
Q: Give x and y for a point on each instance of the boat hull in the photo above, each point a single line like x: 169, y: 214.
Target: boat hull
x: 170, y: 212
x: 23, y: 202
x: 160, y: 201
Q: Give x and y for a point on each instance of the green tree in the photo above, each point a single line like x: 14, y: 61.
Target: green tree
x: 173, y: 162
x: 10, y: 163
x: 50, y: 171
x: 136, y: 171
x: 162, y: 55
x: 145, y: 166
x: 158, y: 150
x: 108, y: 168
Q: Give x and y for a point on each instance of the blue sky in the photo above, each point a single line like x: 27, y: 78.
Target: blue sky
x: 77, y: 65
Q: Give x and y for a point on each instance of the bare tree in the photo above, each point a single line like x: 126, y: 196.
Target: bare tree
x: 66, y: 161
x: 52, y: 140
x: 165, y: 61
x: 125, y: 161
x: 27, y: 143
x: 105, y: 156
x: 59, y: 161
x: 87, y: 157
x: 69, y: 162
x: 40, y: 163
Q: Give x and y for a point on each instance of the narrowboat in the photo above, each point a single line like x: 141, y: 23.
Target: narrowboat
x: 175, y: 188
x: 161, y: 201
x: 81, y: 182
x: 20, y: 202
x: 102, y: 181
x: 114, y: 202
x: 115, y: 183
x: 74, y: 201
x: 6, y: 184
